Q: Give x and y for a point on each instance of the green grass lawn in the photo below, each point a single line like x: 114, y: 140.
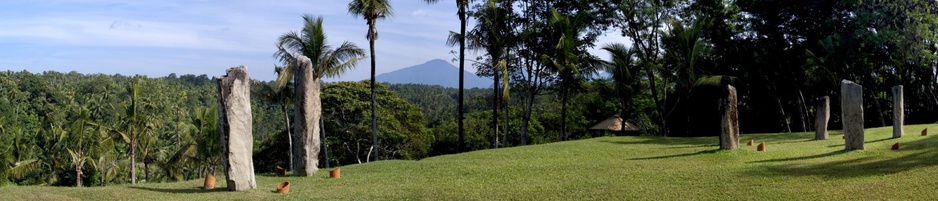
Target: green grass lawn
x: 794, y: 167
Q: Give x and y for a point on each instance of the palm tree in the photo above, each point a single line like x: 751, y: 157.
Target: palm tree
x: 371, y: 11
x: 571, y: 66
x: 134, y: 123
x: 461, y: 5
x: 623, y: 69
x: 312, y: 43
x: 81, y: 144
x: 490, y: 34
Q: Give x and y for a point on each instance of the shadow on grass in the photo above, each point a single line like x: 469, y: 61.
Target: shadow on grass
x: 801, y: 158
x: 642, y: 140
x: 678, y: 155
x: 922, y: 155
x: 180, y: 190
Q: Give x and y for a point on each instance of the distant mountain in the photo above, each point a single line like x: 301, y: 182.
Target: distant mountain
x: 434, y: 72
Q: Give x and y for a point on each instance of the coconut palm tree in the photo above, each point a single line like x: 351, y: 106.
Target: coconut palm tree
x: 568, y: 60
x: 623, y: 68
x: 371, y: 11
x: 491, y: 34
x: 461, y: 5
x: 327, y: 62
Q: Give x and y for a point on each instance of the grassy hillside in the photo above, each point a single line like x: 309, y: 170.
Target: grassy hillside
x: 621, y: 168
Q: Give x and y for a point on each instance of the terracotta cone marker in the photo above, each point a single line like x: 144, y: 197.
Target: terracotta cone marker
x: 751, y: 142
x: 283, y: 187
x: 925, y: 132
x: 335, y: 173
x: 895, y: 146
x: 281, y: 171
x: 761, y: 146
x: 209, y: 182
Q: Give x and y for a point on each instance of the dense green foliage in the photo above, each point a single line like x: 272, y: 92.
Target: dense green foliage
x: 608, y: 168
x: 780, y: 55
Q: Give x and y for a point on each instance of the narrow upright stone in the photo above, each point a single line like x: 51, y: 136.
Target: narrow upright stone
x: 235, y: 124
x: 729, y: 137
x: 822, y: 117
x: 306, y: 119
x: 851, y: 103
x: 898, y: 110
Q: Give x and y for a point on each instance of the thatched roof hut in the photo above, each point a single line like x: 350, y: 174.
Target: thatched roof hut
x: 614, y: 124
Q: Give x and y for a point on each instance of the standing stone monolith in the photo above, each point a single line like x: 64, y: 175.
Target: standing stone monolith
x: 235, y: 124
x: 898, y: 110
x: 306, y: 119
x: 851, y: 103
x: 729, y: 137
x: 822, y: 117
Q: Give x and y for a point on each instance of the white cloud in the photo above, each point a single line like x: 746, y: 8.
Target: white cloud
x: 419, y: 13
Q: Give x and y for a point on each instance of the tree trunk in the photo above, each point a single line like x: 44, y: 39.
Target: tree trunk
x: 781, y: 110
x: 133, y: 158
x: 495, y: 102
x: 286, y: 118
x: 878, y: 107
x: 654, y: 96
x: 325, y: 149
x: 78, y: 175
x: 505, y: 136
x: 374, y: 105
x: 801, y: 113
x: 146, y: 170
x: 527, y: 117
x: 462, y: 67
x: 563, y: 115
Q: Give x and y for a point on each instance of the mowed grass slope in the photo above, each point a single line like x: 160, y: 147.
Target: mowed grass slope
x: 794, y: 167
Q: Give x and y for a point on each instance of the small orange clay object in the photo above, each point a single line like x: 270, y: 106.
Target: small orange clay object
x: 751, y: 142
x: 335, y: 173
x: 925, y: 132
x: 281, y: 171
x: 283, y: 187
x: 209, y: 182
x: 895, y: 146
x: 761, y: 146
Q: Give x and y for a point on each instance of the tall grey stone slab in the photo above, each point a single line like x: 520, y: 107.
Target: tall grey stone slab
x: 729, y: 137
x: 898, y: 110
x: 823, y: 116
x: 306, y: 118
x: 235, y: 124
x: 851, y: 103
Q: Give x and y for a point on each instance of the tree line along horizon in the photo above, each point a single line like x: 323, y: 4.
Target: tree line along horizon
x: 69, y: 129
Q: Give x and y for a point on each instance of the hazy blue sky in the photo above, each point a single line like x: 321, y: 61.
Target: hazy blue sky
x: 156, y: 38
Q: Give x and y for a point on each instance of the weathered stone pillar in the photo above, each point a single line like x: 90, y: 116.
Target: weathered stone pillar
x: 235, y: 124
x: 306, y: 119
x: 822, y: 117
x: 729, y: 137
x: 851, y: 103
x: 898, y: 110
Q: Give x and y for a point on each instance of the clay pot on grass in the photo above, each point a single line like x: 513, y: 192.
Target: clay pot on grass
x: 761, y: 146
x: 283, y: 187
x: 335, y: 173
x: 281, y: 171
x: 925, y: 132
x: 895, y: 146
x: 209, y: 182
x: 751, y: 142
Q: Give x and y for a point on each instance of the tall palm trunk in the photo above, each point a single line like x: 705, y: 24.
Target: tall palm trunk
x: 133, y: 157
x: 527, y: 117
x: 374, y: 104
x: 495, y: 103
x: 462, y: 67
x: 654, y: 96
x: 286, y: 119
x: 563, y: 114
